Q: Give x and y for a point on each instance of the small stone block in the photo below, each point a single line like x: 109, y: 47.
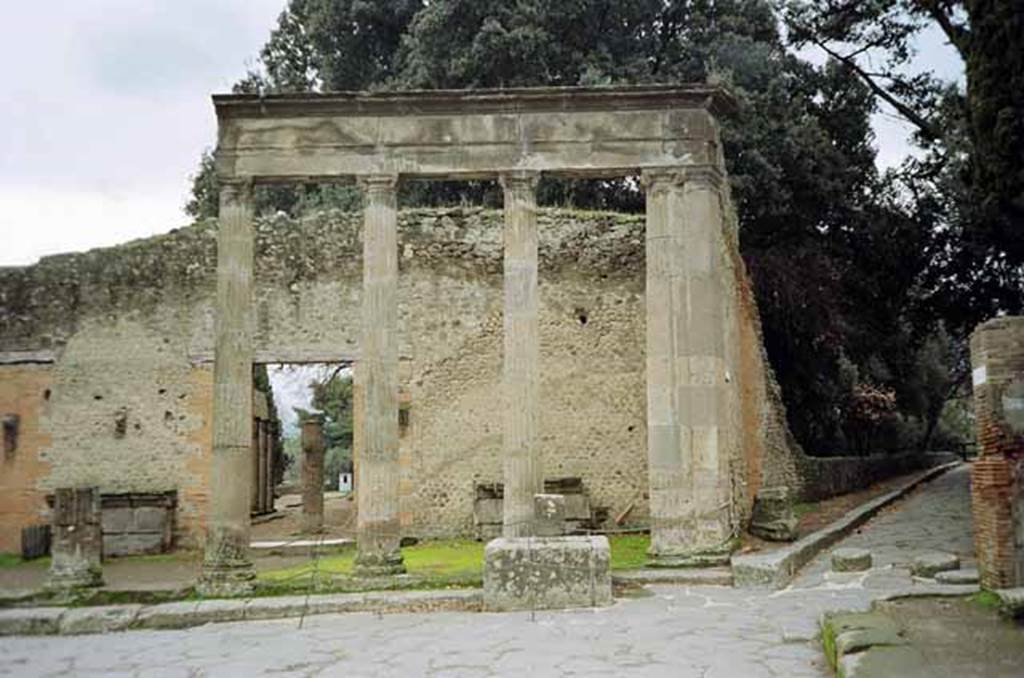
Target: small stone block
x: 32, y: 621
x: 535, y: 573
x: 930, y: 564
x: 851, y: 560
x: 549, y: 511
x: 861, y: 639
x: 960, y: 577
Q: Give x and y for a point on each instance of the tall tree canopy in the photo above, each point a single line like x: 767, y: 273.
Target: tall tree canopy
x: 851, y: 269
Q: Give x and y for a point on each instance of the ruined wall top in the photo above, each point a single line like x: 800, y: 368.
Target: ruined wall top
x: 468, y: 134
x: 41, y: 305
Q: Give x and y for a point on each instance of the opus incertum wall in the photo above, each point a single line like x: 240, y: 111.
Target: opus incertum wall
x: 667, y: 135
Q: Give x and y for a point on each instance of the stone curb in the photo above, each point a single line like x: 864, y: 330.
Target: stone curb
x: 40, y: 621
x: 711, y: 576
x: 777, y: 568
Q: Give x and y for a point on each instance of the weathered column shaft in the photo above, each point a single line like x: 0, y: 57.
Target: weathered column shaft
x: 523, y: 476
x: 378, y: 530
x: 313, y: 449
x: 77, y: 547
x: 686, y: 368
x: 267, y: 459
x: 226, y: 567
x: 256, y: 498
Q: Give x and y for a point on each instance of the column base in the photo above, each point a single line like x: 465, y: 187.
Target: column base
x: 370, y: 566
x: 219, y: 580
x: 71, y: 580
x: 712, y: 557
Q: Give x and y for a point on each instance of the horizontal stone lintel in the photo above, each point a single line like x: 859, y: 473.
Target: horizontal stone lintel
x: 27, y: 357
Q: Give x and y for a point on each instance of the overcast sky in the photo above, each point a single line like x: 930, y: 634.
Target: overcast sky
x: 105, y: 110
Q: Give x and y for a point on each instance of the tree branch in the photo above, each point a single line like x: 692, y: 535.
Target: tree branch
x: 957, y: 34
x: 926, y: 127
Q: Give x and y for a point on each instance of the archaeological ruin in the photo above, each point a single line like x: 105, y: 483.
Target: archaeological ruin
x: 512, y: 348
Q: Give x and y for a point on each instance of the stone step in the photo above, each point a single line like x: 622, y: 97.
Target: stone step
x: 705, y: 576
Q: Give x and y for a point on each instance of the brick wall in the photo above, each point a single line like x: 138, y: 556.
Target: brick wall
x: 997, y: 477
x: 25, y: 391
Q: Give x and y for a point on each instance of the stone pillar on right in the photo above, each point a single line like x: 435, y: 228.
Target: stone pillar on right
x: 997, y: 476
x: 688, y: 463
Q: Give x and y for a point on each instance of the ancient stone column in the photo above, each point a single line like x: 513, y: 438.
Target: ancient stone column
x: 77, y: 546
x: 688, y: 468
x: 522, y: 464
x: 267, y: 459
x: 254, y: 491
x: 227, y: 569
x: 378, y: 531
x: 313, y: 449
x: 997, y: 476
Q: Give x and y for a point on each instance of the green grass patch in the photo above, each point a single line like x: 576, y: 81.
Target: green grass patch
x: 457, y: 560
x: 629, y: 551
x: 801, y: 509
x: 986, y: 599
x: 9, y: 560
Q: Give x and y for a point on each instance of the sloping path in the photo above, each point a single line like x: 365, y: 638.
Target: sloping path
x: 698, y: 631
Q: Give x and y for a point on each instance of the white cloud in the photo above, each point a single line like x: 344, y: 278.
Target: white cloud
x: 106, y: 109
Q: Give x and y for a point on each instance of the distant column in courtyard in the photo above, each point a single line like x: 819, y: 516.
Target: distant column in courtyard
x: 227, y: 569
x: 313, y: 449
x: 523, y: 476
x: 997, y: 476
x: 378, y: 530
x: 690, y: 523
x: 77, y: 547
x: 267, y: 460
x: 256, y: 499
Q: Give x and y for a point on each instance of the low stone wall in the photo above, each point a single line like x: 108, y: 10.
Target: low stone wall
x: 824, y: 477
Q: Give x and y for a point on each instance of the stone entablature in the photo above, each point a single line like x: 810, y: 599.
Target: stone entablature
x: 468, y: 134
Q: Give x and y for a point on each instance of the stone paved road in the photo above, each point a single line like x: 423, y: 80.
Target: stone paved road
x: 681, y: 631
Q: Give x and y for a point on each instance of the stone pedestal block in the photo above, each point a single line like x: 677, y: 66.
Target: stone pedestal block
x: 77, y: 549
x: 536, y: 573
x: 851, y: 560
x: 773, y: 516
x: 549, y: 511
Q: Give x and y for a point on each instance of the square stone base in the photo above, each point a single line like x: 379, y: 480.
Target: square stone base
x: 545, y: 573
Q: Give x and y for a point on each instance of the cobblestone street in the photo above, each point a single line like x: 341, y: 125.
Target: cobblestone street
x: 699, y: 631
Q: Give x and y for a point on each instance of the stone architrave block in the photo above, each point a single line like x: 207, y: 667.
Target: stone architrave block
x: 537, y: 573
x: 549, y: 512
x: 851, y: 560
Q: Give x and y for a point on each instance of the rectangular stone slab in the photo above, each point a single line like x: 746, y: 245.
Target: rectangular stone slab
x: 544, y: 573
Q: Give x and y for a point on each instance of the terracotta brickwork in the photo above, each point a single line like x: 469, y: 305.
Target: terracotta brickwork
x: 997, y: 478
x: 24, y: 393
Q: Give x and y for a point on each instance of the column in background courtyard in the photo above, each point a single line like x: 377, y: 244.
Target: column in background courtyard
x: 313, y: 449
x: 686, y: 374
x: 227, y: 569
x: 378, y: 530
x: 522, y: 464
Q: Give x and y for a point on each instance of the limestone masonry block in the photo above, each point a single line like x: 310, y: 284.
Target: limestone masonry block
x: 549, y: 511
x: 527, y: 573
x: 851, y: 560
x: 930, y: 564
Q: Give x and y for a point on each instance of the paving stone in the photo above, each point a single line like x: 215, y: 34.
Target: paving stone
x: 851, y: 560
x: 931, y: 563
x: 958, y: 577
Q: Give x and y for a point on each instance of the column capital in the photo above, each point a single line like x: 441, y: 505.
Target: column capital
x: 707, y: 176
x: 377, y: 184
x: 236, y: 190
x: 519, y: 180
x: 657, y: 179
